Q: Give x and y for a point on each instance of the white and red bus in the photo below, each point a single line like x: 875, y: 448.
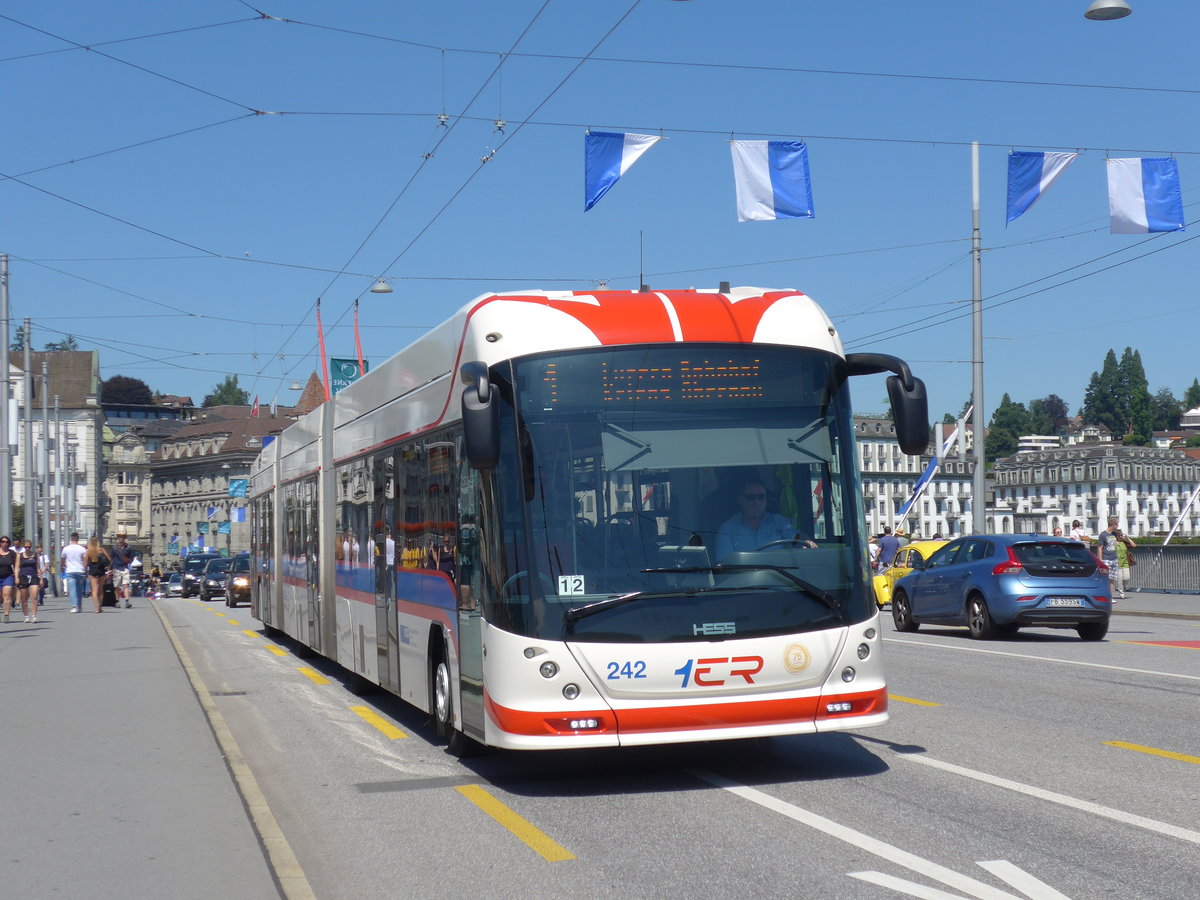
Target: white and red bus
x: 543, y: 521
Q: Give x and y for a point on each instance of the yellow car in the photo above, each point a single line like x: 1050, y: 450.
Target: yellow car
x: 901, y: 566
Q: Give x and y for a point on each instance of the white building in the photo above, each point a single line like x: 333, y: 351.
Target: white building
x: 75, y: 497
x: 888, y: 476
x: 1146, y: 488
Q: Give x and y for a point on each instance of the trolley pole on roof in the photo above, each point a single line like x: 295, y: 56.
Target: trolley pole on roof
x: 978, y: 483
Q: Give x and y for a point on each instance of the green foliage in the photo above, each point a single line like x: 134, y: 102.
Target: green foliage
x: 125, y: 390
x: 67, y: 343
x: 1009, y: 421
x: 1194, y: 441
x: 227, y: 393
x: 1165, y: 410
x: 18, y: 343
x: 1191, y: 397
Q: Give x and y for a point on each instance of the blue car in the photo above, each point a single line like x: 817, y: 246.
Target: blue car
x: 997, y: 583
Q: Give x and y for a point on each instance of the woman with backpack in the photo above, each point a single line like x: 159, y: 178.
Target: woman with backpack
x: 29, y: 580
x: 98, y: 562
x: 8, y: 573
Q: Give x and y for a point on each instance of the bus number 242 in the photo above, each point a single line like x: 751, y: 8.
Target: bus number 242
x: 716, y: 671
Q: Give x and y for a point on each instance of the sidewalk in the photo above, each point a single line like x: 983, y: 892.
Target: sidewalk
x: 114, y: 786
x: 1152, y: 603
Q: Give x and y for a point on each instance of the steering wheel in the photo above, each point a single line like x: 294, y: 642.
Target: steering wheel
x: 805, y: 543
x: 524, y: 573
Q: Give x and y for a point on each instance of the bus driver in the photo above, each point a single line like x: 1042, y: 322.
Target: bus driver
x: 753, y: 527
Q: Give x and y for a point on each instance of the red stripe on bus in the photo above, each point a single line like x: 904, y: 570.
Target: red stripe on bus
x: 727, y: 714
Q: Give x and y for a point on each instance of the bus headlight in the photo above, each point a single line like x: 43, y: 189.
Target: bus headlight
x: 571, y: 691
x: 848, y: 674
x: 548, y: 669
x: 863, y: 651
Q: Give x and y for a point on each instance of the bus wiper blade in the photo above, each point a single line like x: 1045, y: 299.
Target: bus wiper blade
x: 580, y: 612
x: 590, y: 609
x: 808, y: 587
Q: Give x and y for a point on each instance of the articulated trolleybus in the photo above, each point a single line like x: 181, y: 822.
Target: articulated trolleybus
x: 573, y: 519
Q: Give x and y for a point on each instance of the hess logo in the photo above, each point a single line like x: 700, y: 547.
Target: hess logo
x: 716, y: 671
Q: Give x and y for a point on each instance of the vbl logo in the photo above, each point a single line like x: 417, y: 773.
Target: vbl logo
x: 716, y: 671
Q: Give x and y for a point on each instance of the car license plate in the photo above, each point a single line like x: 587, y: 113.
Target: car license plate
x: 1063, y: 601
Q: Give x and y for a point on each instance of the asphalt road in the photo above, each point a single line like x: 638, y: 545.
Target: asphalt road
x: 1039, y: 766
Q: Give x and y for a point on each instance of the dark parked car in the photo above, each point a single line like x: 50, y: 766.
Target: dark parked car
x: 237, y: 584
x: 997, y: 583
x: 212, y: 581
x: 193, y: 571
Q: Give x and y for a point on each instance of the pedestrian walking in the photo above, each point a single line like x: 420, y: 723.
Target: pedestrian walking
x: 888, y: 545
x: 1106, y: 546
x: 1125, y: 561
x: 1079, y: 533
x: 122, y: 558
x: 29, y: 581
x: 73, y: 564
x: 98, y: 563
x: 8, y: 574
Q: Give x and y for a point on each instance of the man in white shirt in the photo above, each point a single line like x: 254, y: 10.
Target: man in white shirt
x: 74, y: 570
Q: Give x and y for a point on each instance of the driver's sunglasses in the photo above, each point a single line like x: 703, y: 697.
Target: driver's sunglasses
x: 754, y: 496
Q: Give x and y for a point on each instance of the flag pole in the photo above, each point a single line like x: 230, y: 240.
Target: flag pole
x: 978, y: 482
x: 358, y: 342
x: 321, y: 346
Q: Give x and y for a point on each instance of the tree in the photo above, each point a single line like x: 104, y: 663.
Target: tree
x: 18, y: 343
x: 227, y: 393
x: 1103, y: 402
x: 125, y: 390
x: 1165, y: 410
x: 1009, y: 421
x: 67, y: 343
x: 1191, y: 397
x: 1135, y: 391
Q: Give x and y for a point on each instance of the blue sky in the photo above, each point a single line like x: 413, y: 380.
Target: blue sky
x: 149, y: 211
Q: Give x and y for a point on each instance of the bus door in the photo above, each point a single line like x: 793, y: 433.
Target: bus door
x: 469, y: 586
x: 385, y: 556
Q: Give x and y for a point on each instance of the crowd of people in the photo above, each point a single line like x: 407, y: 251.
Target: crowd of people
x: 27, y: 574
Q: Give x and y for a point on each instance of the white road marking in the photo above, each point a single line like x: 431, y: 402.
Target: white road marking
x: 1051, y: 659
x: 901, y: 886
x: 1031, y: 887
x: 1116, y: 815
x: 948, y: 877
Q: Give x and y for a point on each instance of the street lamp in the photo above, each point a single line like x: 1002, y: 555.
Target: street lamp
x: 1103, y: 10
x: 381, y: 287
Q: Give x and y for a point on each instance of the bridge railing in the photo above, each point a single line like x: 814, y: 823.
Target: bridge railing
x: 1173, y: 569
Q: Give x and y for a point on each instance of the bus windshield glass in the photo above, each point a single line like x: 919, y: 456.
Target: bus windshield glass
x: 676, y: 492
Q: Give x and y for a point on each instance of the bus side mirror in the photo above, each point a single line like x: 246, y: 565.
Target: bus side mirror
x: 480, y: 416
x: 910, y: 413
x: 910, y: 406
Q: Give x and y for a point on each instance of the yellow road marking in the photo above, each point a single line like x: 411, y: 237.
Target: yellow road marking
x: 232, y: 622
x: 250, y: 632
x: 313, y: 676
x: 278, y: 651
x: 900, y: 699
x: 217, y: 613
x: 370, y: 716
x: 540, y: 842
x: 1154, y: 751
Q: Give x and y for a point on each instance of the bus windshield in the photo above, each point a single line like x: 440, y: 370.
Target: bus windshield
x: 676, y: 492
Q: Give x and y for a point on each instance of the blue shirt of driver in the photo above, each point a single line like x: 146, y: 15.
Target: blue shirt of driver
x: 734, y: 534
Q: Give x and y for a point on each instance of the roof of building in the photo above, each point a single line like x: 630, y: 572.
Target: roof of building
x: 312, y: 397
x: 74, y: 375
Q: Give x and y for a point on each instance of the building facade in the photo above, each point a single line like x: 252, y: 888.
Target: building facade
x: 888, y: 477
x: 1146, y: 488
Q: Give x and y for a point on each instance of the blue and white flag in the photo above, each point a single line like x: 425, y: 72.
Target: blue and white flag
x: 1144, y: 195
x: 772, y: 182
x: 607, y: 155
x: 930, y: 471
x: 1030, y: 175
